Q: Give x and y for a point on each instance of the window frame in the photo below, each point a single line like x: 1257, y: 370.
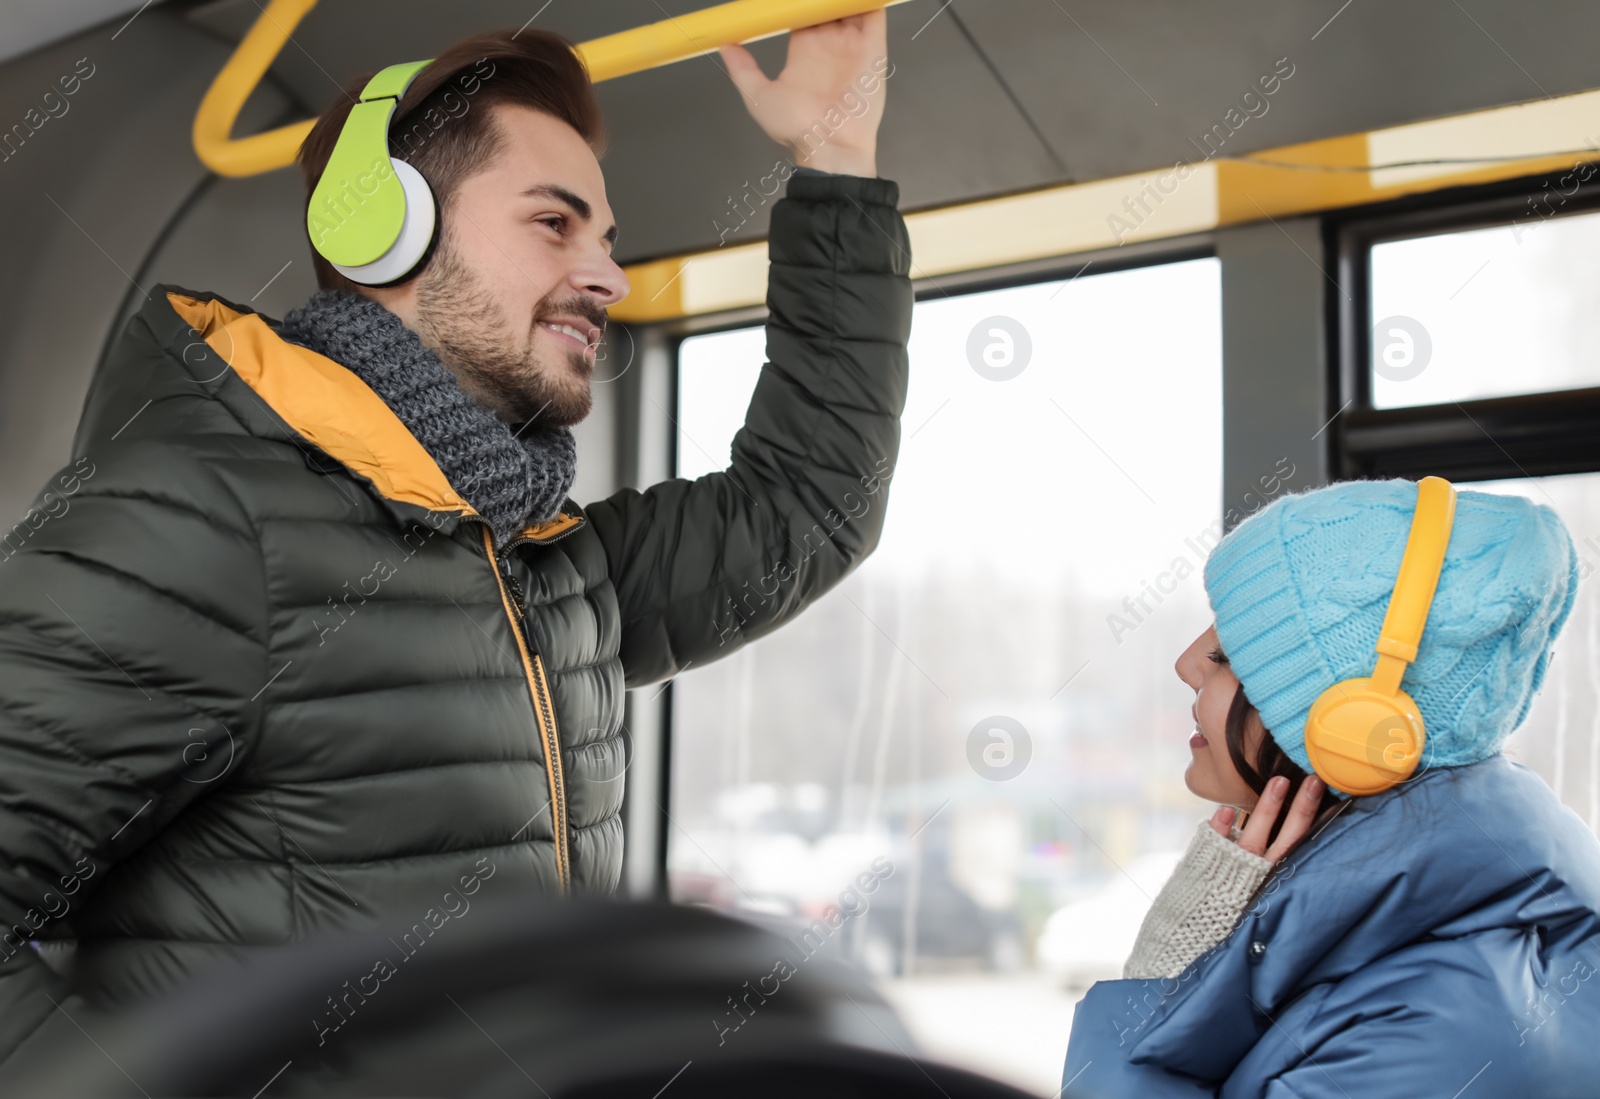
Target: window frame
x: 1525, y: 435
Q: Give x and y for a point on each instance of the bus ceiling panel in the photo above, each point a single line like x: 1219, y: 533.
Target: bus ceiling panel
x: 1119, y: 88
x: 32, y: 26
x: 686, y: 167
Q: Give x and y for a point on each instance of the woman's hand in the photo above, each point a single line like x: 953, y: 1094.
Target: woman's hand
x: 1253, y: 837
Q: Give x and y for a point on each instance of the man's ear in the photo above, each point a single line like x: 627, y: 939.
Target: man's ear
x: 400, y: 299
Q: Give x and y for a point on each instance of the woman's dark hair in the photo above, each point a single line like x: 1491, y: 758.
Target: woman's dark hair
x: 1271, y: 761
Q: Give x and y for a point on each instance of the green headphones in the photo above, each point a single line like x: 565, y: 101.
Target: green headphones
x: 371, y: 216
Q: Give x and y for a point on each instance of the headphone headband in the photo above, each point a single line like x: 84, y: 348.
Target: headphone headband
x: 1419, y: 569
x: 392, y: 81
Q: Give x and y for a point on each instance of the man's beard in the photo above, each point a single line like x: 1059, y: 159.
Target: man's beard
x: 469, y: 332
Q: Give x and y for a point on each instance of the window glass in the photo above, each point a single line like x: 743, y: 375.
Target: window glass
x: 1560, y: 738
x: 1487, y: 312
x: 982, y: 723
x: 716, y: 375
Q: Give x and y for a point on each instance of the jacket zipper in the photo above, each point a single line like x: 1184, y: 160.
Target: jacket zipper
x: 539, y: 691
x: 520, y: 539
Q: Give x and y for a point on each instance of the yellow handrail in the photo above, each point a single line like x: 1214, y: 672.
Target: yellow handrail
x: 614, y: 55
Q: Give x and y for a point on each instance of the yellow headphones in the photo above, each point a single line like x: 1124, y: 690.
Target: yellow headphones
x: 1365, y: 735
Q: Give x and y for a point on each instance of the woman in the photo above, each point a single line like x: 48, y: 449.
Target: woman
x: 1436, y: 938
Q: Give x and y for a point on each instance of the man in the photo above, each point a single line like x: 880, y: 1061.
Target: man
x: 318, y: 642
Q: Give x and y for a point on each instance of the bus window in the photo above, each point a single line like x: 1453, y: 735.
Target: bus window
x: 975, y: 745
x: 1488, y: 312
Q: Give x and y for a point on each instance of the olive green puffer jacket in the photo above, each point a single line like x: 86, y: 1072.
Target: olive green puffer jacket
x: 264, y: 675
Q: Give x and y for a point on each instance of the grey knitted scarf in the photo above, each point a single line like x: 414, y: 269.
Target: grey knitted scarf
x: 513, y: 477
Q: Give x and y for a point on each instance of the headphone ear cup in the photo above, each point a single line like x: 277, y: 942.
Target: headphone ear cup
x: 416, y: 236
x: 1361, y: 741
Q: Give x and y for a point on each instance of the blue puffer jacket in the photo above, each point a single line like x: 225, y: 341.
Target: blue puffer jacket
x: 1438, y: 939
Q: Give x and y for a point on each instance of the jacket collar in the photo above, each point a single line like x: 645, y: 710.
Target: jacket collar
x: 336, y: 412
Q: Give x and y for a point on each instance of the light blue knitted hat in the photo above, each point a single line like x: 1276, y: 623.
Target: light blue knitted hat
x: 1300, y: 589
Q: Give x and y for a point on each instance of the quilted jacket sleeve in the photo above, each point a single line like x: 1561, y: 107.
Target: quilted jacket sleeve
x: 130, y: 622
x: 702, y: 567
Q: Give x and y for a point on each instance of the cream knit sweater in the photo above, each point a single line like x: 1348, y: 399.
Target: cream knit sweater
x: 1199, y: 905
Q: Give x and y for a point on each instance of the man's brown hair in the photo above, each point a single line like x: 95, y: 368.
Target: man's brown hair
x: 443, y: 126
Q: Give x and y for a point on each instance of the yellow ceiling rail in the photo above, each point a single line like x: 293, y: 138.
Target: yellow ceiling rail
x: 614, y: 55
